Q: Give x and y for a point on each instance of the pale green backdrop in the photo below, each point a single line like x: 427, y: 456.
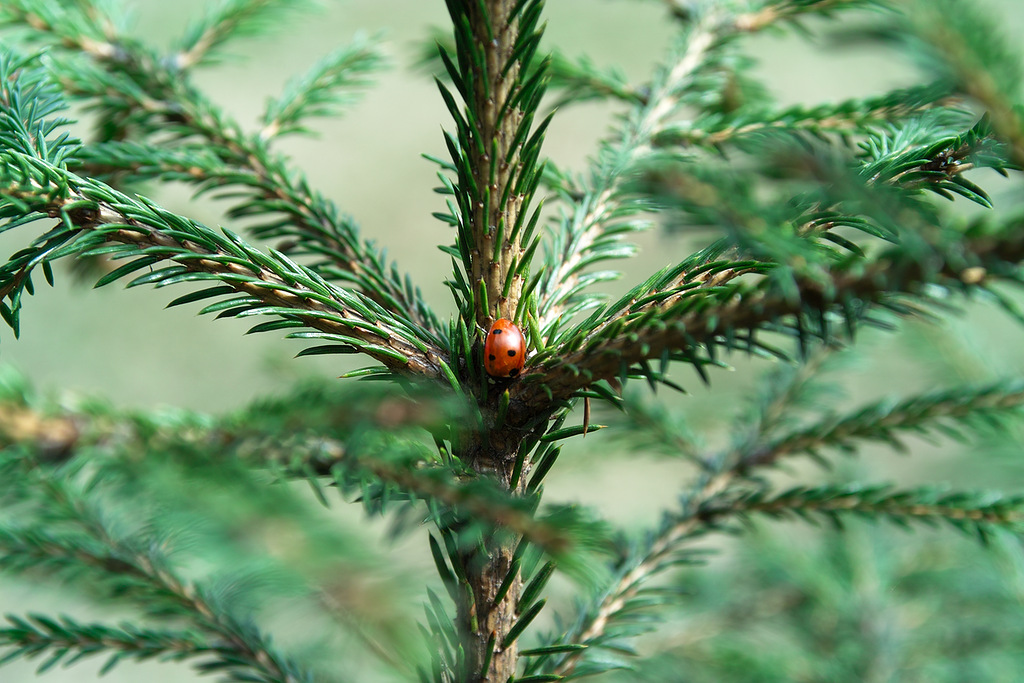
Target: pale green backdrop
x: 120, y: 344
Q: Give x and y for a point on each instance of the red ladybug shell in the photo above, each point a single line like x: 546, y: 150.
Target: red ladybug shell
x: 504, y: 350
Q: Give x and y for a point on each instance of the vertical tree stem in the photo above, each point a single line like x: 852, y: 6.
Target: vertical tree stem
x: 493, y: 76
x: 495, y: 161
x: 485, y: 616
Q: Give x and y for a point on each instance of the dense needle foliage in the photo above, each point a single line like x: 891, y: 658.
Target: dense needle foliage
x: 814, y: 231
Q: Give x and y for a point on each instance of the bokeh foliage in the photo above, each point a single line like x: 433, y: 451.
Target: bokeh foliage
x: 815, y: 226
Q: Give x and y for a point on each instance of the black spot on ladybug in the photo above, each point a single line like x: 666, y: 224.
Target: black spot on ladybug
x: 497, y: 331
x: 513, y: 372
x: 512, y: 353
x: 492, y: 356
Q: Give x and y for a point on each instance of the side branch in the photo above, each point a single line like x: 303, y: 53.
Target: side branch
x: 299, y: 453
x: 144, y: 576
x: 883, y: 422
x: 631, y: 577
x: 968, y: 511
x: 782, y: 10
x: 714, y: 503
x: 159, y: 100
x: 584, y: 233
x: 69, y: 640
x: 269, y: 285
x: 711, y: 318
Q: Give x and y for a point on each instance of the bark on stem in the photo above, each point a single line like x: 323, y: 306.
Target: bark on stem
x: 488, y: 611
x: 485, y: 618
x: 495, y: 161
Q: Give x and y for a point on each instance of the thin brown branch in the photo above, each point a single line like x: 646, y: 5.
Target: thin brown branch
x: 891, y: 506
x: 870, y: 424
x: 169, y: 97
x: 750, y: 308
x: 761, y: 19
x: 123, y: 559
x: 602, y: 200
x: 849, y: 121
x: 258, y: 282
x: 480, y: 506
x: 631, y: 582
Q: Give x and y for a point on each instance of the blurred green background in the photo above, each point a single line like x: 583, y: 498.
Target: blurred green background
x: 121, y: 345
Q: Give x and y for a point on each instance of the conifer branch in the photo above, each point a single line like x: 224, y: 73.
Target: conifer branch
x: 364, y: 455
x: 135, y: 568
x: 895, y: 165
x: 775, y: 11
x: 94, y: 215
x: 975, y: 60
x: 978, y: 513
x: 607, y: 622
x: 827, y: 221
x: 66, y: 640
x: 591, y: 232
x: 357, y: 457
x: 150, y: 98
x: 944, y: 411
x: 896, y: 159
x: 496, y: 151
x: 715, y: 501
x: 842, y: 118
x: 595, y: 625
x: 730, y: 316
x: 226, y: 20
x: 724, y: 493
x: 77, y: 26
x: 592, y: 228
x: 495, y: 158
x: 326, y: 87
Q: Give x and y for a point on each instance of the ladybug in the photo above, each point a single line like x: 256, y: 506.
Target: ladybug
x: 504, y: 350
